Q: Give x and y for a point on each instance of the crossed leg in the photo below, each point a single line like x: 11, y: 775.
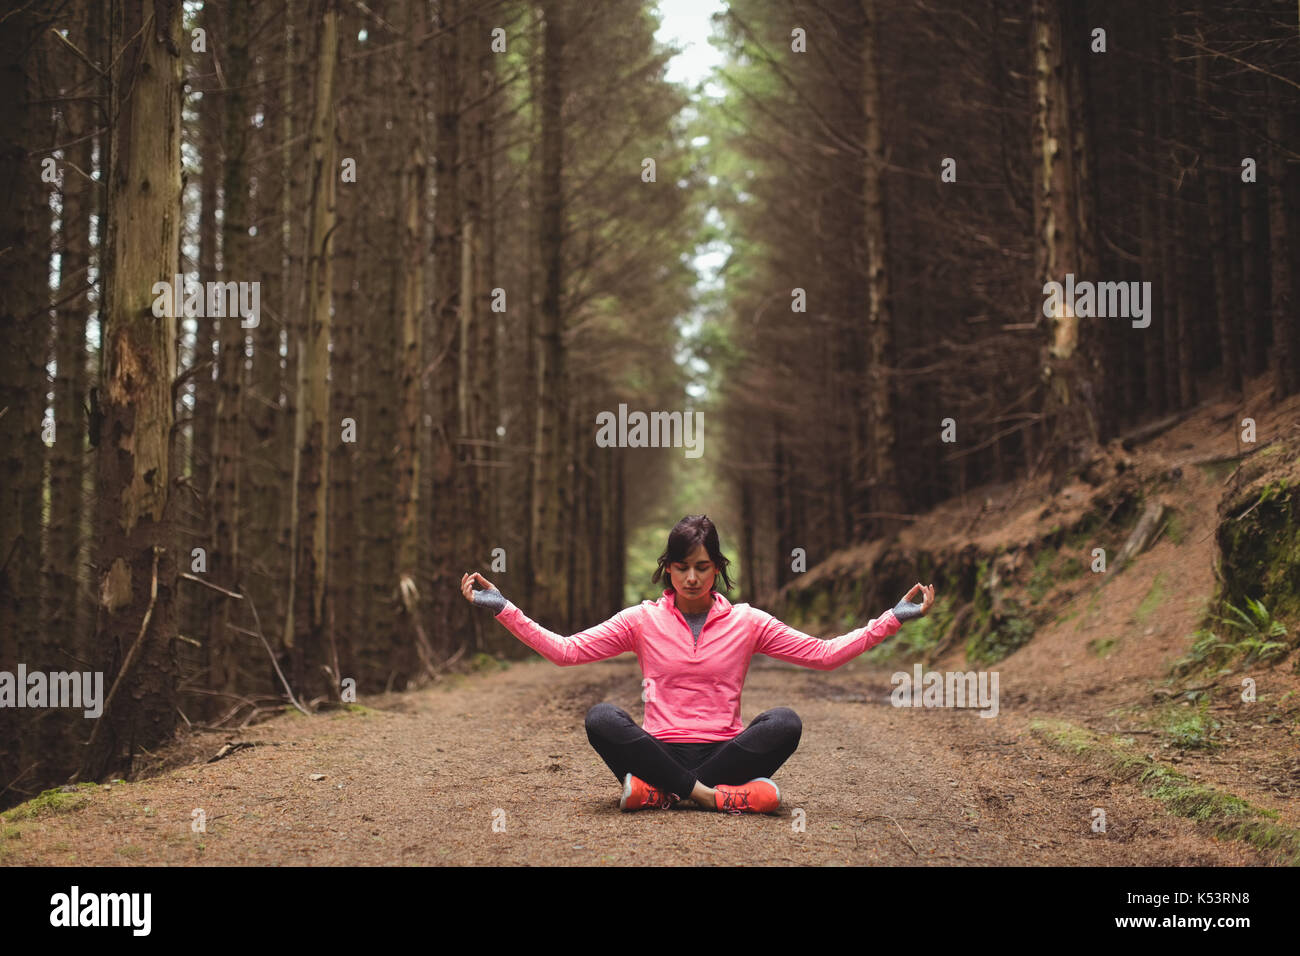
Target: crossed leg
x: 757, y: 751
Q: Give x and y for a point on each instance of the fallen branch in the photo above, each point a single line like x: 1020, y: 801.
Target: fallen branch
x: 228, y: 749
x: 190, y: 577
x: 1142, y: 536
x: 406, y: 587
x: 1151, y: 430
x: 287, y: 689
x: 900, y: 829
x: 131, y: 656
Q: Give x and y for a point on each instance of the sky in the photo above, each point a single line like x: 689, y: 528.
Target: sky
x: 685, y: 25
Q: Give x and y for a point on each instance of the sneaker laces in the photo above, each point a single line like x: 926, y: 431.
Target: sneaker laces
x: 660, y: 799
x: 736, y: 801
x: 666, y: 799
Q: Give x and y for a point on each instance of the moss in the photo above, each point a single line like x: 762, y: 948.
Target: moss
x: 1001, y: 634
x: 50, y: 802
x: 1195, y: 800
x: 1102, y: 647
x: 1268, y: 837
x: 131, y: 851
x: 1063, y: 735
x: 1230, y: 816
x: 358, y: 709
x: 1154, y: 598
x: 1190, y: 729
x: 483, y: 661
x: 1176, y: 528
x: 1260, y: 550
x: 1052, y: 567
x: 1041, y: 580
x: 1217, y: 471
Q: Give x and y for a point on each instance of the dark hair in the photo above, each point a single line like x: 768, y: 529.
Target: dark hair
x: 691, y: 531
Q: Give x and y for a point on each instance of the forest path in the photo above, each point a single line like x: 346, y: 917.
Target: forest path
x: 420, y: 778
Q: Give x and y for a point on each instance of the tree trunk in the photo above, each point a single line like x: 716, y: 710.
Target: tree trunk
x: 1062, y: 214
x: 137, y: 547
x: 885, y: 495
x: 1253, y: 318
x: 550, y: 452
x: 25, y: 132
x: 447, y: 483
x: 1286, y: 376
x: 314, y: 432
x: 1227, y: 324
x: 410, y: 285
x: 224, y: 563
x: 64, y: 579
x: 265, y: 564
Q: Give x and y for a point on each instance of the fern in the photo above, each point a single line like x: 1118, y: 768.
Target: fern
x: 1259, y: 624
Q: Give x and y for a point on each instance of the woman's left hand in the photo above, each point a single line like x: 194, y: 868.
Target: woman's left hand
x: 905, y: 610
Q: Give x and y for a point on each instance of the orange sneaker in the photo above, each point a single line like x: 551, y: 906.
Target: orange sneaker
x: 637, y: 795
x: 760, y: 795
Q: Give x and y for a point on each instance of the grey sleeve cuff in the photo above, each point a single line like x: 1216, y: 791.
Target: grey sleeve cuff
x: 493, y: 599
x: 905, y: 610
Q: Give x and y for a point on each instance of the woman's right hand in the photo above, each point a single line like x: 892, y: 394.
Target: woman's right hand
x: 467, y: 585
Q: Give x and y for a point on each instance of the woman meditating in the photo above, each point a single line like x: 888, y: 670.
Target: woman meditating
x: 694, y: 647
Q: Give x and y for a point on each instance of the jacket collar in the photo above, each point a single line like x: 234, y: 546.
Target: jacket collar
x: 721, y: 606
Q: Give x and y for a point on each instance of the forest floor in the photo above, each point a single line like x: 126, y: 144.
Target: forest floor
x: 494, y: 767
x: 424, y: 781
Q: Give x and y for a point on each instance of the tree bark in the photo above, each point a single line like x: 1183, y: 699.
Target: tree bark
x: 315, y: 432
x: 137, y: 544
x: 1063, y: 234
x: 550, y: 451
x: 885, y: 495
x: 1286, y: 376
x: 224, y: 560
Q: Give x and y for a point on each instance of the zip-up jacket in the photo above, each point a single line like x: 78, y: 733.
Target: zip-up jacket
x: 692, y: 689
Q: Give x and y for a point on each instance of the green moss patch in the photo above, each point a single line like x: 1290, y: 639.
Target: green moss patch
x: 1154, y: 598
x: 1102, y: 646
x: 999, y: 634
x: 1259, y: 548
x: 50, y: 802
x: 1230, y: 816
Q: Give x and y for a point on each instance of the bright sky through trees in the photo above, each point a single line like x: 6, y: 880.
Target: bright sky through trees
x: 686, y: 25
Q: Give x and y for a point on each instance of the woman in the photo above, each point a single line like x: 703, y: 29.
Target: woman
x: 694, y: 647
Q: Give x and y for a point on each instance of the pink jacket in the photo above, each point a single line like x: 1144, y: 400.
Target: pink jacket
x: 693, y: 693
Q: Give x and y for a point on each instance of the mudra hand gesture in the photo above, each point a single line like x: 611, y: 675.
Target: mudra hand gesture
x: 905, y: 610
x: 490, y: 597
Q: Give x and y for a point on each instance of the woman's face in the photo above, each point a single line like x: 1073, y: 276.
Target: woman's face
x: 693, y: 577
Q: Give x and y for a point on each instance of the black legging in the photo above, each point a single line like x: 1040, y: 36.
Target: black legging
x: 757, y: 751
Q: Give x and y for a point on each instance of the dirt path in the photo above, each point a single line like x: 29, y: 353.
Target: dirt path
x: 420, y: 779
